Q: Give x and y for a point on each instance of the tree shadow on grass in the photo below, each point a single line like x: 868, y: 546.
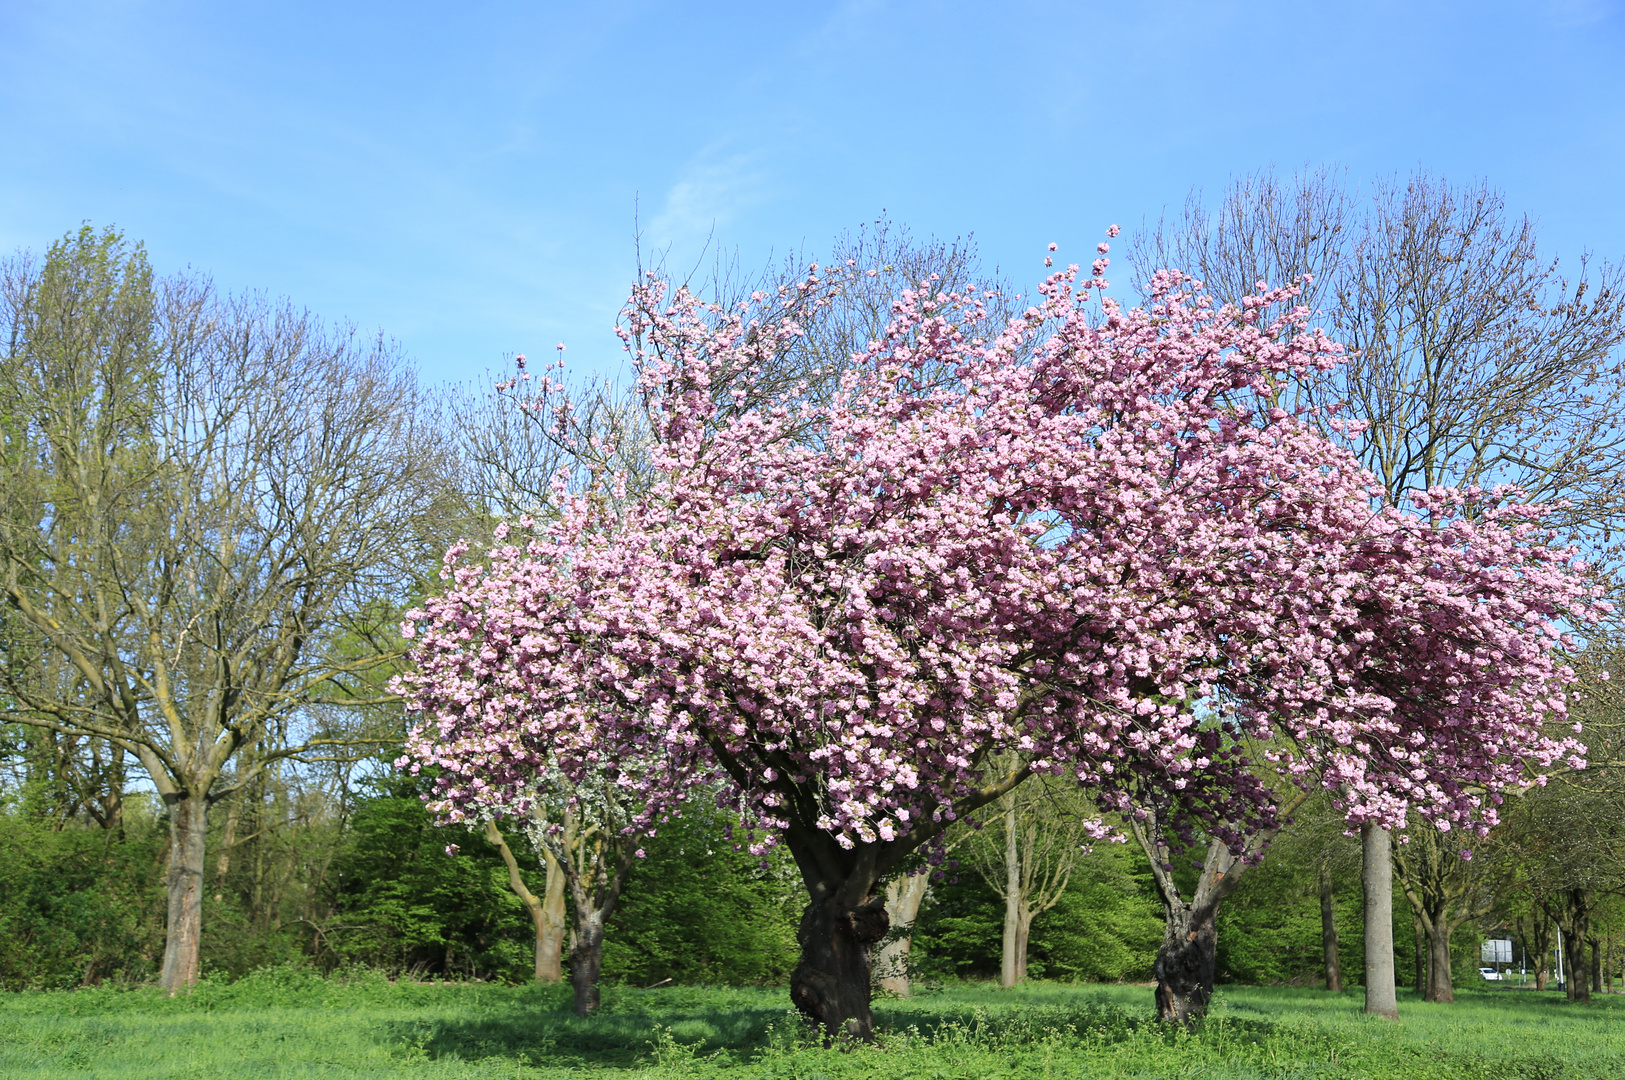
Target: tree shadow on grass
x: 618, y: 1039
x: 735, y: 1032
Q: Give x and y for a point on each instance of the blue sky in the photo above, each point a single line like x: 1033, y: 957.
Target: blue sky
x: 464, y: 176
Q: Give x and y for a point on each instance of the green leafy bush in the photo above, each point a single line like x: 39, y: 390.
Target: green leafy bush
x: 79, y: 905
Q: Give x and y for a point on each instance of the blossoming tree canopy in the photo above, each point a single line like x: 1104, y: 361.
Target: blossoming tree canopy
x: 1087, y: 539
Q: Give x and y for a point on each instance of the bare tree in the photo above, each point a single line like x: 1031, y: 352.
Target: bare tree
x: 1474, y: 360
x: 212, y: 506
x: 519, y: 434
x: 1030, y: 842
x: 1444, y: 890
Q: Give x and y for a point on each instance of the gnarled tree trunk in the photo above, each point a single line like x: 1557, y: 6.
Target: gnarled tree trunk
x: 1187, y: 961
x: 587, y: 961
x: 830, y: 986
x: 595, y: 857
x: 844, y: 918
x: 1185, y: 966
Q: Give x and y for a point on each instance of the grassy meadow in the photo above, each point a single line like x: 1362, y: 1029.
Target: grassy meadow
x: 283, y: 1023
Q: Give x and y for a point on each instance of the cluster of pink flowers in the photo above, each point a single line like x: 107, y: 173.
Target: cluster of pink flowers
x: 1097, y: 545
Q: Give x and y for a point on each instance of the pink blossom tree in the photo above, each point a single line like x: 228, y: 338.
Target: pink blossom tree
x: 1092, y: 548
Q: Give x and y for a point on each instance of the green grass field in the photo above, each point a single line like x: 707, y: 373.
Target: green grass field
x: 285, y: 1024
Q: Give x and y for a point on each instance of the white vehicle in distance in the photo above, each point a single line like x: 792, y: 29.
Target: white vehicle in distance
x: 1489, y: 974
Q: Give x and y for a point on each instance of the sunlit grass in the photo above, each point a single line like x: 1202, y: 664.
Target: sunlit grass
x: 284, y: 1023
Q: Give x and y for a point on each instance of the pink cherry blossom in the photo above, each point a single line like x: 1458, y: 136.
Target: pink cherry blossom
x: 1097, y: 547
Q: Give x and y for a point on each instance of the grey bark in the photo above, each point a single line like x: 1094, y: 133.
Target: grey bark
x: 188, y: 829
x: 1012, y: 955
x: 1377, y: 879
x: 1328, y: 933
x: 903, y: 899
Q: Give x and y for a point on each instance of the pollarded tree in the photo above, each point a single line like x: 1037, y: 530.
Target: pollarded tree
x: 1096, y: 549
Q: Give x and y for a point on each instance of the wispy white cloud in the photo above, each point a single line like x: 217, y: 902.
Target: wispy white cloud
x: 1582, y: 12
x: 711, y: 191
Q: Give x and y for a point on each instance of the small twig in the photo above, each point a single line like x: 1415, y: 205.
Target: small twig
x: 662, y: 982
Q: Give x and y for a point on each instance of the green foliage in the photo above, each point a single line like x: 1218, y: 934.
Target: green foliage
x: 1105, y: 928
x: 406, y: 905
x: 1270, y: 934
x: 1269, y: 928
x: 1095, y: 934
x: 78, y: 905
x: 695, y: 910
x: 287, y: 1022
x: 958, y: 932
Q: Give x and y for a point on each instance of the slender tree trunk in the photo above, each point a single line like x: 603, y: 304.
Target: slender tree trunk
x: 1542, y: 970
x: 830, y: 986
x: 1596, y: 965
x: 1575, y: 929
x: 1009, y: 959
x: 1186, y: 964
x: 1024, y: 926
x: 228, y: 835
x: 903, y: 898
x: 111, y: 796
x: 540, y: 955
x: 1419, y: 949
x: 1328, y: 933
x: 1377, y: 878
x: 550, y: 935
x: 1574, y: 975
x: 1440, y: 984
x: 183, y: 933
x: 549, y: 924
x: 115, y: 792
x: 586, y: 961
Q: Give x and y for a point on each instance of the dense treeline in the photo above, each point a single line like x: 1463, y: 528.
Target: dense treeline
x: 365, y: 879
x: 334, y: 875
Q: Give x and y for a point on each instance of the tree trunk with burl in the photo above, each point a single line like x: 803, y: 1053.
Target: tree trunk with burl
x: 1186, y: 963
x: 846, y: 916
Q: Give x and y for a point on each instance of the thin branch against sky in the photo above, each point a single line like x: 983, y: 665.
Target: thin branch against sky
x: 466, y: 178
